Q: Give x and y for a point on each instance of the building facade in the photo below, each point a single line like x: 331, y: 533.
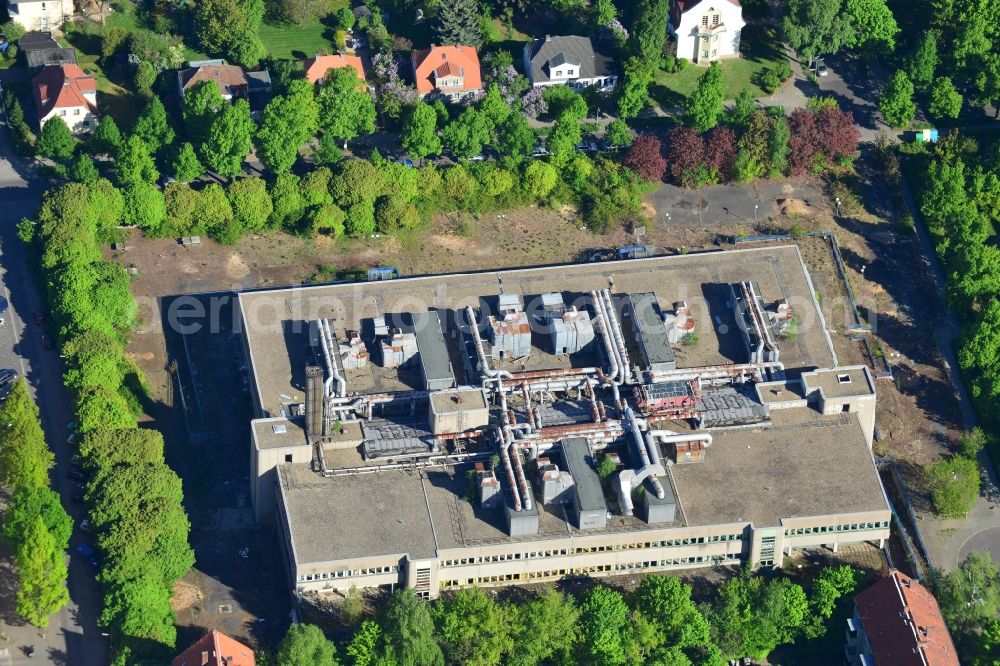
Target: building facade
x: 706, y: 30
x: 40, y: 14
x: 450, y: 73
x: 66, y: 92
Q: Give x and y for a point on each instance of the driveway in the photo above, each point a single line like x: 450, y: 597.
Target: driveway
x: 73, y: 636
x: 857, y: 88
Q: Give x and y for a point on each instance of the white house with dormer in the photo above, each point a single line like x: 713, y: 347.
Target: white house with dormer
x: 39, y: 14
x: 568, y: 60
x: 706, y: 30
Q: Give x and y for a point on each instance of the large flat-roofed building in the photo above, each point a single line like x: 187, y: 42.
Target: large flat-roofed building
x: 376, y: 476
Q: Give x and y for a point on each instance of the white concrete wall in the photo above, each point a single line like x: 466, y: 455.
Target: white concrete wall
x: 727, y: 44
x: 78, y: 118
x: 36, y: 15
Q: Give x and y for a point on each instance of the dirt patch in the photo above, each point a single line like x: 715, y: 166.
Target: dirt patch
x: 185, y: 596
x: 648, y: 210
x: 236, y: 268
x: 792, y: 207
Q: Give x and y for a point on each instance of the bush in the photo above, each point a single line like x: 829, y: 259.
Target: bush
x: 770, y: 78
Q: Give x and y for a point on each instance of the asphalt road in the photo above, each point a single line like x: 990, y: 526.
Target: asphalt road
x: 72, y: 637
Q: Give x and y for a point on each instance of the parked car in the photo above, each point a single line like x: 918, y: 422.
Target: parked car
x: 77, y: 475
x: 47, y: 341
x: 587, y: 146
x: 476, y: 158
x: 8, y: 376
x: 38, y: 317
x: 89, y: 554
x: 819, y: 67
x: 405, y: 161
x: 85, y: 524
x: 539, y: 151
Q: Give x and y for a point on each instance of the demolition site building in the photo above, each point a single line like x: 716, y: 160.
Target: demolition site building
x: 444, y: 431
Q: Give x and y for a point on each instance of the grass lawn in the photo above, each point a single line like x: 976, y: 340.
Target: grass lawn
x: 287, y: 40
x: 759, y: 48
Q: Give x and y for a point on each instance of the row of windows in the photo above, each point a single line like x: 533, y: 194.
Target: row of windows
x: 562, y: 552
x: 602, y: 568
x: 847, y: 527
x: 348, y: 573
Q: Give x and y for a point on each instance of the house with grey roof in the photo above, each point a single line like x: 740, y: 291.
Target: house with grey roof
x: 569, y: 60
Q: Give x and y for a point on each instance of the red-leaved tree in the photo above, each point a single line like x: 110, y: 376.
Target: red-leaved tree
x: 838, y: 134
x: 645, y: 157
x: 720, y: 151
x: 805, y: 143
x: 685, y: 155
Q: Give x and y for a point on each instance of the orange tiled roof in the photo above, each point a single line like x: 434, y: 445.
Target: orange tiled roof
x: 61, y: 87
x: 457, y: 58
x: 218, y: 649
x: 904, y: 624
x: 230, y: 79
x: 316, y: 68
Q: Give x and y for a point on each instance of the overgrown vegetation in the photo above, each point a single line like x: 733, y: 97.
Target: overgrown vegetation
x: 657, y: 623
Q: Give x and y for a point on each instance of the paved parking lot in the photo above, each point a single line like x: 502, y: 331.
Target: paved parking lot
x: 678, y: 207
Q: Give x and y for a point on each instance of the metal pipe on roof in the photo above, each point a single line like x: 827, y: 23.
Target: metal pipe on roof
x: 331, y: 350
x: 616, y: 331
x: 668, y: 437
x: 708, y: 372
x: 327, y: 359
x: 484, y: 365
x: 502, y: 437
x: 506, y: 416
x: 604, y: 326
x: 646, y: 453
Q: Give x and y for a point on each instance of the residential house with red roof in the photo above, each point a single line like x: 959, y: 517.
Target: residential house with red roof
x: 706, y: 30
x: 447, y: 72
x: 67, y: 92
x: 231, y: 79
x: 215, y: 649
x: 897, y: 622
x: 316, y: 68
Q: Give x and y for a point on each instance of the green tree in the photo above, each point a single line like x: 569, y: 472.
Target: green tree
x: 945, y: 101
x: 201, y: 103
x: 346, y: 109
x: 466, y: 135
x: 419, y: 136
x: 363, y: 648
x: 751, y: 617
x: 649, y: 29
x: 603, y: 627
x: 954, y: 485
x: 972, y: 443
x: 540, y: 178
x: 144, y: 77
x: 82, y: 170
x: 289, y: 205
x: 326, y: 218
x: 704, y: 106
x: 472, y: 628
x: 305, y: 645
x: 393, y: 213
x: 408, y: 632
x: 55, y: 140
x: 969, y: 596
x: 107, y: 137
x: 635, y: 87
x: 153, y: 126
x: 231, y: 27
x: 618, y: 133
x: 544, y: 629
x: 41, y: 570
x: 896, y: 102
x: 289, y: 121
x: 251, y: 203
x: 923, y: 61
x: 139, y: 608
x: 356, y: 181
x: 666, y: 602
x: 107, y: 452
x: 134, y: 163
x: 145, y: 207
x: 515, y: 138
x: 817, y: 27
x: 563, y: 139
x: 603, y: 12
x: 229, y: 139
x: 564, y: 100
x: 494, y: 107
x: 458, y: 23
x: 25, y: 505
x: 360, y: 218
x: 873, y: 24
x: 832, y: 584
x: 742, y: 109
x: 185, y: 165
x: 24, y: 457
